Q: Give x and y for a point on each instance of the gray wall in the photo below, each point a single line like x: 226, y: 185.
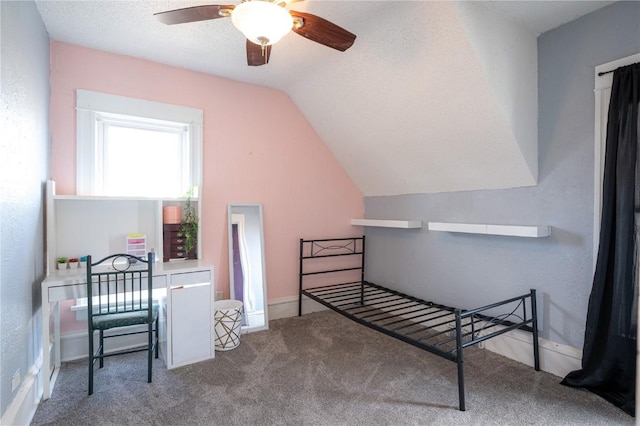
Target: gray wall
x: 24, y: 168
x: 469, y: 270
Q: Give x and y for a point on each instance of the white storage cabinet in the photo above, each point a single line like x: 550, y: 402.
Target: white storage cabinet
x: 190, y: 331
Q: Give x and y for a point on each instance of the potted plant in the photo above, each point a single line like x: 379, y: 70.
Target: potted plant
x: 189, y: 228
x: 62, y: 262
x: 73, y: 263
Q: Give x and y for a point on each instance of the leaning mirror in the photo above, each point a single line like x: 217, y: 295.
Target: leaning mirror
x: 247, y: 281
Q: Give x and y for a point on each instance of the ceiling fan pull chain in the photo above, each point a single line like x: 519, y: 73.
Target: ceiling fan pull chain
x: 265, y: 53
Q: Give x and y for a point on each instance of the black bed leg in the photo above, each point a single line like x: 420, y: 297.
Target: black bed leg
x: 460, y: 361
x: 361, y: 270
x: 534, y: 317
x: 300, y: 278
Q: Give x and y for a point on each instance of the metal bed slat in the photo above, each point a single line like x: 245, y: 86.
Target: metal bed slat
x: 430, y: 319
x: 352, y: 302
x: 397, y: 306
x: 371, y: 299
x: 403, y: 318
x: 340, y: 295
x: 361, y: 305
x: 389, y: 316
x: 356, y: 304
x: 389, y: 311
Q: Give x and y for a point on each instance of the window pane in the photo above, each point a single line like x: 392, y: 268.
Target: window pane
x: 137, y: 158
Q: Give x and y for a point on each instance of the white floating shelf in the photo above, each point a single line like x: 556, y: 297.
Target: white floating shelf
x: 388, y: 223
x: 508, y: 230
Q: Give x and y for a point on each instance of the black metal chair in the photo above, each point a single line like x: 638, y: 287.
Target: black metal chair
x: 119, y: 294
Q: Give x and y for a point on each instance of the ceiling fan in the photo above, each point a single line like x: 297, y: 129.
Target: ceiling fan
x: 265, y: 22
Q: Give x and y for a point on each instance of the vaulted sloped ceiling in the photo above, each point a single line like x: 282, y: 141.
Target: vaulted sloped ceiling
x: 434, y: 96
x: 453, y: 106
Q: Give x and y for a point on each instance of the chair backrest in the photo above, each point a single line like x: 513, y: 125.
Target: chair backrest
x: 119, y: 283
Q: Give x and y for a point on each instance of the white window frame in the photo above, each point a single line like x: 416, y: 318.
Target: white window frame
x: 602, y: 92
x: 93, y: 109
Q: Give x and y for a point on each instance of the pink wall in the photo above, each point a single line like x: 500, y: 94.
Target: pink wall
x: 258, y: 148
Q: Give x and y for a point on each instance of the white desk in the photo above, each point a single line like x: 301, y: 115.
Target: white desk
x: 172, y: 276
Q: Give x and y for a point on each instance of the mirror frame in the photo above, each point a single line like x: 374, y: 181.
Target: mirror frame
x: 230, y: 213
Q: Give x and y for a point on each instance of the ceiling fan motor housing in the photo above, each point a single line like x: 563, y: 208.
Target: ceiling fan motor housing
x: 262, y: 22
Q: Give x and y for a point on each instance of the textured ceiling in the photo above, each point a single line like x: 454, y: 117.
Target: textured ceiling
x: 432, y: 97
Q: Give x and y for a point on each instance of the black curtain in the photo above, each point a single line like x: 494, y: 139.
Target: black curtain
x: 609, y: 353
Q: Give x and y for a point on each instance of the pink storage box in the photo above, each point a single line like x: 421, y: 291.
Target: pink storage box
x: 172, y: 214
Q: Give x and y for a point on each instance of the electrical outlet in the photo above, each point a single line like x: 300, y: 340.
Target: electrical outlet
x: 219, y: 295
x: 15, y: 381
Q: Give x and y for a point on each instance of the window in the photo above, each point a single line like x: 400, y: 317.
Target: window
x: 153, y: 156
x: 131, y: 147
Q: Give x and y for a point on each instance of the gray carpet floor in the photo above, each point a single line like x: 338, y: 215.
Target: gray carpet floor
x: 320, y: 369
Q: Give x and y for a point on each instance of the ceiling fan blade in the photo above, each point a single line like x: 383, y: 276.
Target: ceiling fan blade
x: 322, y: 31
x: 256, y: 56
x: 192, y: 14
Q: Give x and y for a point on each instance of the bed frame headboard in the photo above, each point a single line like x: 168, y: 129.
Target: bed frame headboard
x: 331, y: 248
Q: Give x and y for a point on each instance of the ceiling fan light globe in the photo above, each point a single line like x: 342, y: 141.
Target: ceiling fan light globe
x: 262, y: 22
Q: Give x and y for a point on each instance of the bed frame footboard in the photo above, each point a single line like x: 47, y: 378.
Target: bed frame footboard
x: 438, y: 329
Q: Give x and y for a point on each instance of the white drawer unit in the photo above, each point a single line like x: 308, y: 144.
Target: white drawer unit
x: 187, y: 278
x: 137, y: 245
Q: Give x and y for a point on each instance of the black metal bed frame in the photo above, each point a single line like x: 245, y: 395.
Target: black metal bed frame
x: 438, y: 329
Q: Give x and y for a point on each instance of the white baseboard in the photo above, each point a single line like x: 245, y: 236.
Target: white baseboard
x: 23, y: 407
x: 555, y: 358
x: 288, y: 307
